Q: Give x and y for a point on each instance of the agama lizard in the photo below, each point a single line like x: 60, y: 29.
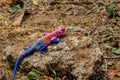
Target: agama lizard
x: 40, y: 45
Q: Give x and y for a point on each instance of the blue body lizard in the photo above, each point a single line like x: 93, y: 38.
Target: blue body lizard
x: 40, y: 45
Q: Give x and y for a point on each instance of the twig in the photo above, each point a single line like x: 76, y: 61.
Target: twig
x: 39, y: 72
x: 106, y: 68
x: 52, y: 70
x: 71, y: 2
x: 118, y: 57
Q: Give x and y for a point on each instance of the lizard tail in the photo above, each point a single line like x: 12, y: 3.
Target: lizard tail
x: 22, y: 56
x: 16, y: 65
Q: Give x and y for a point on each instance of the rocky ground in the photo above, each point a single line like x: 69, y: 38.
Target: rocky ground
x: 85, y: 50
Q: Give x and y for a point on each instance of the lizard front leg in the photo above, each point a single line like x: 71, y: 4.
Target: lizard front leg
x: 54, y: 41
x: 44, y: 47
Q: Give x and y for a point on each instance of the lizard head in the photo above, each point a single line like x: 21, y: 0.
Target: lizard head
x: 58, y: 32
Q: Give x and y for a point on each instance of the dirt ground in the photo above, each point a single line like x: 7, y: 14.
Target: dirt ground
x: 47, y: 16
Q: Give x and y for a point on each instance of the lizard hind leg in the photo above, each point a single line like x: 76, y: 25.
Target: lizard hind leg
x: 42, y: 48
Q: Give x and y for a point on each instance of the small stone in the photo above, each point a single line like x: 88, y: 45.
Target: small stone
x: 110, y: 63
x: 66, y: 48
x: 55, y: 47
x: 4, y: 58
x: 72, y: 33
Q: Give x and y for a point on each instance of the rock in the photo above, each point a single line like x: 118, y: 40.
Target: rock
x: 62, y: 45
x: 77, y: 29
x: 78, y: 57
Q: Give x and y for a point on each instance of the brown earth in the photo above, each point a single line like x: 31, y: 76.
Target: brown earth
x: 90, y: 16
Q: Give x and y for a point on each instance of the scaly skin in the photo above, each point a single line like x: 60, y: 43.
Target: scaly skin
x: 40, y: 45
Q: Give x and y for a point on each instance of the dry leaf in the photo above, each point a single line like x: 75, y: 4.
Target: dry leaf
x: 18, y: 19
x: 64, y: 77
x: 35, y: 2
x: 7, y: 2
x: 111, y: 72
x: 118, y: 74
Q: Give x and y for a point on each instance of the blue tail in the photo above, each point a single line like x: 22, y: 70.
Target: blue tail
x: 27, y: 53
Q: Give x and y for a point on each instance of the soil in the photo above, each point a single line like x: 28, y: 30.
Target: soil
x: 89, y: 15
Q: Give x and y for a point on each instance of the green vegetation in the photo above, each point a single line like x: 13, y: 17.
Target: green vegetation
x: 110, y: 7
x: 57, y: 78
x: 116, y: 50
x: 16, y: 8
x: 34, y: 74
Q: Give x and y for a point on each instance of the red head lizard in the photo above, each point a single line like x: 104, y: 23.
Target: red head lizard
x: 40, y: 45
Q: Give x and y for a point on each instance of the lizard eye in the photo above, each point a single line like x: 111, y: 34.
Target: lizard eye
x: 59, y: 33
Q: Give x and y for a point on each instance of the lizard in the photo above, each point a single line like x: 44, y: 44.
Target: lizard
x: 40, y: 45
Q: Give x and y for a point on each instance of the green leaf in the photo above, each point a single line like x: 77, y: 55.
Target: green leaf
x: 27, y: 6
x: 57, y: 78
x: 33, y: 75
x: 110, y: 7
x: 116, y: 51
x: 16, y: 8
x: 13, y: 8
